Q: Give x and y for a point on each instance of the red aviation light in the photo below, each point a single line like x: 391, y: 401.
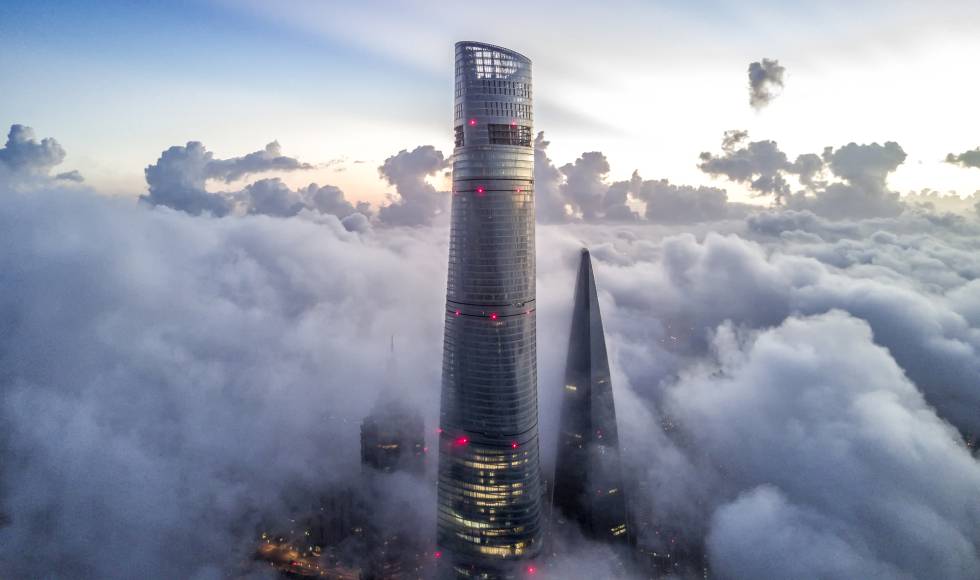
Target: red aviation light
x: 438, y: 555
x: 480, y: 190
x: 514, y: 445
x: 493, y: 316
x: 461, y: 441
x: 532, y: 570
x: 519, y: 190
x: 457, y: 313
x: 472, y: 122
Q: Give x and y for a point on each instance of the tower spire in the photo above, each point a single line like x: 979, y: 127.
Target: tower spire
x: 589, y: 490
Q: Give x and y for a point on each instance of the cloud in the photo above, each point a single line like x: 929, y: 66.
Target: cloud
x: 72, y: 175
x: 785, y: 382
x: 862, y: 171
x: 842, y: 414
x: 166, y: 379
x: 25, y: 159
x: 965, y: 159
x: 765, y: 81
x: 549, y: 202
x: 680, y: 204
x: 268, y: 159
x: 585, y: 184
x: 178, y: 180
x: 417, y: 202
x: 759, y: 164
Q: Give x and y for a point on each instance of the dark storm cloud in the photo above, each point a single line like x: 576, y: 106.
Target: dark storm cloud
x: 765, y: 81
x: 417, y: 202
x: 965, y: 159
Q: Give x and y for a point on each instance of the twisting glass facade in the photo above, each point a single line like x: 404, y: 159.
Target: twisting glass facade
x: 489, y: 478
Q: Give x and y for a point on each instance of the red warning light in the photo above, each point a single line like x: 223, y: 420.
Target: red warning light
x: 493, y: 316
x: 472, y: 122
x: 438, y: 555
x: 519, y: 190
x: 462, y: 441
x: 439, y: 430
x: 532, y: 570
x: 457, y: 313
x: 514, y: 445
x: 513, y: 123
x: 480, y: 190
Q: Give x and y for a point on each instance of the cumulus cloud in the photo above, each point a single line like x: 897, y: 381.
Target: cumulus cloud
x: 268, y: 159
x: 765, y: 81
x: 860, y: 191
x: 842, y: 414
x: 24, y: 158
x: 679, y: 204
x: 549, y: 204
x: 179, y: 180
x: 417, y: 201
x: 965, y: 159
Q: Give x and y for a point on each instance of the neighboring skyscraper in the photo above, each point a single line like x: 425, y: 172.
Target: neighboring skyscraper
x: 393, y: 436
x: 489, y: 478
x: 392, y: 440
x: 588, y: 488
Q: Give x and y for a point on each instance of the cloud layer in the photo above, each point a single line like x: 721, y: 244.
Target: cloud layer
x: 787, y: 382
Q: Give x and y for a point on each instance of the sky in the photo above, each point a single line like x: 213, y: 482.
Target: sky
x: 652, y: 85
x: 214, y: 217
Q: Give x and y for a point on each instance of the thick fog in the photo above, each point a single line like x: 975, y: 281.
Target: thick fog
x: 166, y: 372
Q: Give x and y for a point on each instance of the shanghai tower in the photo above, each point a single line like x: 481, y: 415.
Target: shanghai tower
x: 489, y: 499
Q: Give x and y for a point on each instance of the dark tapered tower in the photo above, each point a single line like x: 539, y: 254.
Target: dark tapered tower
x: 489, y: 477
x: 588, y: 489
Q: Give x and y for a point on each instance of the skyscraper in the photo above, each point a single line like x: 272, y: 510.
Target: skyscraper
x: 489, y: 517
x: 393, y: 435
x: 588, y: 490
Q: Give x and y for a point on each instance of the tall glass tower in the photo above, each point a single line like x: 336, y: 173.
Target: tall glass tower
x: 589, y: 490
x: 489, y: 520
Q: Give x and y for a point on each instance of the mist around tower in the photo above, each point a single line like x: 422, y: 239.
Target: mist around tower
x: 391, y: 293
